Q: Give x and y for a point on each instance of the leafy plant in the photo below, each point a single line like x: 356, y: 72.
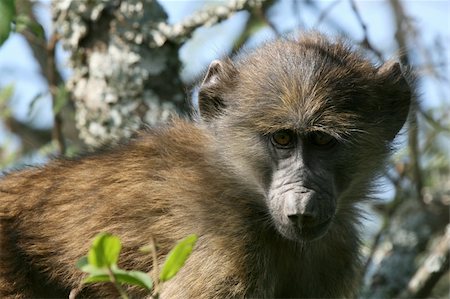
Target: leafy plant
x: 177, y: 257
x: 101, y: 264
x: 10, y: 21
x: 7, y: 15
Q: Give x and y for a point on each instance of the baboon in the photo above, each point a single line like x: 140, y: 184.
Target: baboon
x: 287, y: 141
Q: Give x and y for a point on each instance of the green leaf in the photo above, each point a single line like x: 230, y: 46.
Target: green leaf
x: 177, y: 257
x: 104, y: 251
x: 83, y: 265
x: 7, y: 14
x: 97, y: 278
x: 135, y: 278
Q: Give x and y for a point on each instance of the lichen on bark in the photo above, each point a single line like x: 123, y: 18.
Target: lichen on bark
x: 122, y: 75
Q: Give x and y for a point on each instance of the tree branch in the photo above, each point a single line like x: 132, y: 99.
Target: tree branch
x: 53, y: 79
x: 209, y: 16
x: 432, y: 269
x: 365, y: 42
x: 413, y: 143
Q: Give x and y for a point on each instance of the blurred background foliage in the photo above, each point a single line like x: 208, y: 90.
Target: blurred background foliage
x: 75, y: 74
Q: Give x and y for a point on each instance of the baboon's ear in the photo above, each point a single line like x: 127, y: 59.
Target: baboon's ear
x: 218, y: 80
x: 395, y: 97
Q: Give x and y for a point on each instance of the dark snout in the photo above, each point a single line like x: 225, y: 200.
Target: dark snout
x: 309, y: 212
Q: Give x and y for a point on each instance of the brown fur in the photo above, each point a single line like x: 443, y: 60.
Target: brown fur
x: 210, y: 178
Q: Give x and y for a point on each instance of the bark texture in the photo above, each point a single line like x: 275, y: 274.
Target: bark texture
x: 123, y: 75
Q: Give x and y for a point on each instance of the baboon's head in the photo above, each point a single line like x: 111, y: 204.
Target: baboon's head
x: 309, y: 122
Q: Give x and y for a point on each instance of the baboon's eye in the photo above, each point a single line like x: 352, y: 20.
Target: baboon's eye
x: 321, y: 139
x: 283, y: 138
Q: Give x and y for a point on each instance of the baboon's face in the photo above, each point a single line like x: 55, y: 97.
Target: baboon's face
x: 303, y: 191
x: 303, y: 173
x: 309, y: 123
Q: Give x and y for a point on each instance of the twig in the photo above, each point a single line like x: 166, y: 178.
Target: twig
x: 261, y: 11
x: 434, y: 123
x: 434, y: 266
x: 413, y: 143
x: 44, y: 53
x: 387, y: 216
x: 335, y: 25
x: 413, y: 131
x: 155, y: 269
x: 181, y: 32
x: 325, y: 12
x: 257, y: 15
x: 122, y: 293
x: 74, y: 292
x: 365, y: 42
x: 52, y: 82
x: 38, y: 44
x: 32, y: 138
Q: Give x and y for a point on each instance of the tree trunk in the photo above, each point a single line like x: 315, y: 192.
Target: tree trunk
x: 123, y: 75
